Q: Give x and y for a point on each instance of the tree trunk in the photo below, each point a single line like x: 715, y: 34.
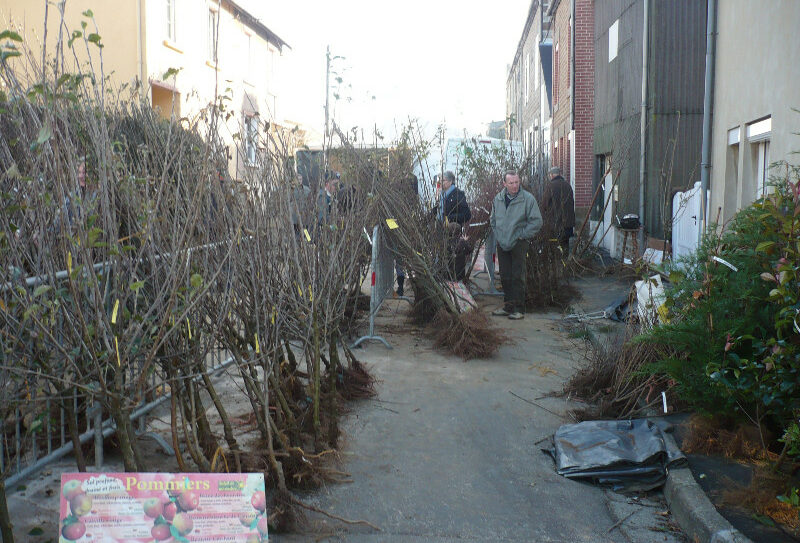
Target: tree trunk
x: 74, y: 434
x: 333, y: 371
x: 123, y: 422
x: 227, y: 429
x: 316, y: 381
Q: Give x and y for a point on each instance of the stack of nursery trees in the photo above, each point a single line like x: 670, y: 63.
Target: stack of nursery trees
x: 147, y: 260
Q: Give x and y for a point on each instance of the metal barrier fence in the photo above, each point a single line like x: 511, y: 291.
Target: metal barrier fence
x: 382, y: 281
x: 489, y: 252
x: 37, y: 442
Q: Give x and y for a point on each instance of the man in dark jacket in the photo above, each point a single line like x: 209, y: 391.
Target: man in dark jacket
x: 452, y: 203
x: 558, y: 208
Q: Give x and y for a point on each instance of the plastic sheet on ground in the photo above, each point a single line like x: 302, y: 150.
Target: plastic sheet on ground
x: 630, y: 455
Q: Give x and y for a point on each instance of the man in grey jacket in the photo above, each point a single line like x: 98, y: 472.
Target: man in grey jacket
x: 515, y: 219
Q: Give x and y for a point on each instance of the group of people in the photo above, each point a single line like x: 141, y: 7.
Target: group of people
x: 516, y: 217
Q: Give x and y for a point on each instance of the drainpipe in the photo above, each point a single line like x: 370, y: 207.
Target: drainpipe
x: 140, y: 43
x: 708, y: 104
x: 572, y: 68
x: 643, y: 118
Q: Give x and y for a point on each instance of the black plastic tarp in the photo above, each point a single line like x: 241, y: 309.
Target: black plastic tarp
x: 627, y: 455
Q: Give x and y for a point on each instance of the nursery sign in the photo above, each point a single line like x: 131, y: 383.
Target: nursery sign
x: 179, y: 507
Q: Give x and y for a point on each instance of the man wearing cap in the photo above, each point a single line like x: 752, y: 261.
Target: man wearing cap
x: 558, y: 208
x: 452, y: 204
x: 515, y: 219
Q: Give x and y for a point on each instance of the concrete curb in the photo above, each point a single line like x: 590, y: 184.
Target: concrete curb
x: 694, y: 512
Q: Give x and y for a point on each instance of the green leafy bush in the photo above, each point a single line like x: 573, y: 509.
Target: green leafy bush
x: 733, y: 310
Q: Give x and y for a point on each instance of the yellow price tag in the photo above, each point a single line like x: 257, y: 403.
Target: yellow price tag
x: 310, y: 294
x: 308, y: 236
x: 274, y: 313
x: 258, y: 348
x: 69, y: 262
x: 299, y: 290
x: 189, y: 327
x: 116, y: 347
x: 392, y: 224
x: 114, y: 312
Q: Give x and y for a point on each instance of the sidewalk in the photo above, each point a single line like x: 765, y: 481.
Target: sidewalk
x: 450, y: 450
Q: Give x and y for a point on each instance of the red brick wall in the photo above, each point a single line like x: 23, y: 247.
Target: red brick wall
x: 582, y: 102
x: 561, y: 89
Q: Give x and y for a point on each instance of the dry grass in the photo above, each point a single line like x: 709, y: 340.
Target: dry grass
x: 613, y: 380
x: 714, y: 436
x: 468, y: 335
x: 760, y: 497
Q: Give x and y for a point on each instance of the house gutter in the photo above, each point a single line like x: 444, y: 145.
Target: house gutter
x: 643, y: 117
x: 708, y: 104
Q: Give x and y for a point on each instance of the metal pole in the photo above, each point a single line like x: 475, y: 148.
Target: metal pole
x: 643, y: 119
x: 708, y: 105
x: 97, y: 427
x: 326, y: 138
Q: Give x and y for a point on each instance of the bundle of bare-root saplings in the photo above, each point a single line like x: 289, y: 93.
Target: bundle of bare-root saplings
x: 134, y: 266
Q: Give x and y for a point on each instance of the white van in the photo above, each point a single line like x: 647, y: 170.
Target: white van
x: 429, y: 168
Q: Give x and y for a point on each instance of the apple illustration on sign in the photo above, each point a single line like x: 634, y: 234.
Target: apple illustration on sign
x: 73, y: 529
x: 188, y: 500
x: 153, y: 507
x: 259, y: 501
x: 183, y: 523
x: 161, y: 532
x: 71, y: 489
x: 169, y: 510
x: 80, y: 504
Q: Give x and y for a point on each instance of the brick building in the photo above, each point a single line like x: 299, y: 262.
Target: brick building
x: 572, y: 34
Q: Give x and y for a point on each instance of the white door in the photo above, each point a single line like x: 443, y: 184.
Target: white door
x: 609, y: 241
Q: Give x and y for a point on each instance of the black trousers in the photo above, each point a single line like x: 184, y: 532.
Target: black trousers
x: 513, y: 275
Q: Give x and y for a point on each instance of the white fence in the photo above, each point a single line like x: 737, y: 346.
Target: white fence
x: 686, y: 222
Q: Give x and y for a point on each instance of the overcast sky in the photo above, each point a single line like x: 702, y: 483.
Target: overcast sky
x: 433, y: 60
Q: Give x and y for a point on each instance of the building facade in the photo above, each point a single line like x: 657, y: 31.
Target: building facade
x: 184, y: 55
x: 755, y: 122
x: 572, y: 32
x: 528, y: 86
x: 648, y: 109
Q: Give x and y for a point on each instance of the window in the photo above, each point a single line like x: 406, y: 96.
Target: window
x: 569, y: 51
x: 527, y: 76
x: 250, y: 138
x: 170, y: 19
x: 249, y: 56
x: 536, y: 63
x: 213, y: 23
x: 613, y: 40
x: 758, y: 135
x: 762, y: 169
x: 555, y: 77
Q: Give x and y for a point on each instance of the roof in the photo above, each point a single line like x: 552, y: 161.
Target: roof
x: 250, y: 20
